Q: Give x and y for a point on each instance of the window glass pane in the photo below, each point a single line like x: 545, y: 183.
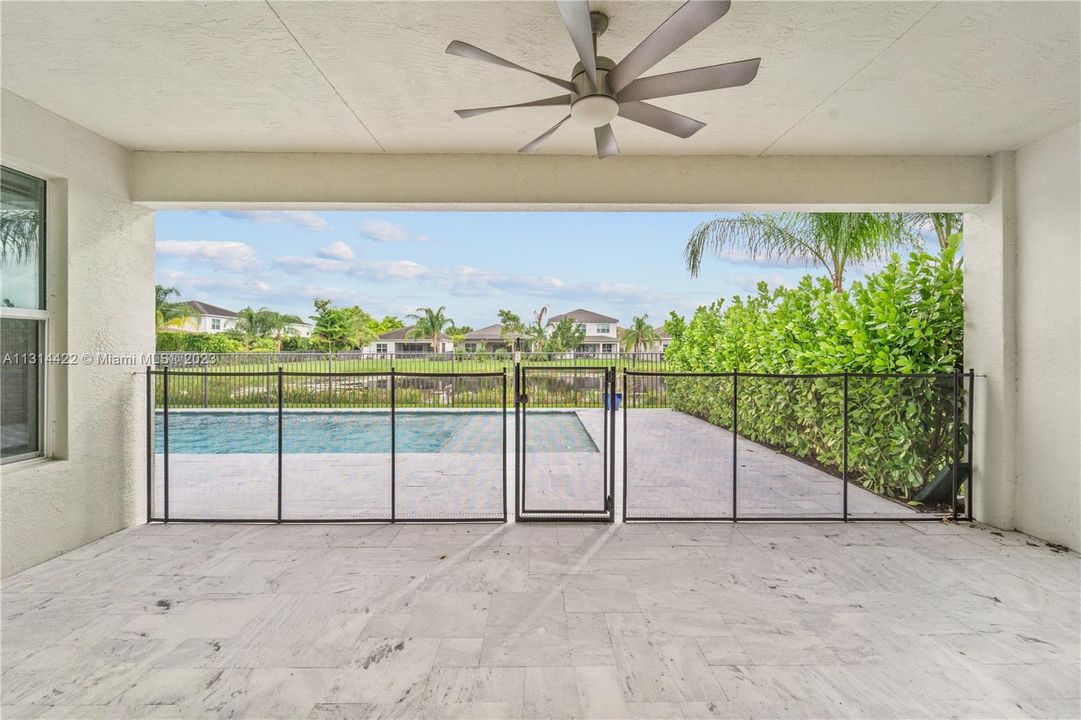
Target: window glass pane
x: 20, y: 378
x: 22, y: 234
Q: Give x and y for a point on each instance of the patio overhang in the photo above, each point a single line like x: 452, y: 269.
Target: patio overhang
x: 515, y: 182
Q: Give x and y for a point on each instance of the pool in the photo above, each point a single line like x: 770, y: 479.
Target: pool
x: 220, y: 432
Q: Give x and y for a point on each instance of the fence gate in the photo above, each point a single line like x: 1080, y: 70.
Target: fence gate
x: 565, y: 442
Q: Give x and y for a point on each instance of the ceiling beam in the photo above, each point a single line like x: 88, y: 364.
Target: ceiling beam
x: 266, y: 180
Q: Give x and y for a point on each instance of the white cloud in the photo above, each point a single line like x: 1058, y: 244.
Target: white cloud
x: 337, y: 250
x: 224, y: 255
x: 467, y: 281
x: 383, y: 231
x: 211, y: 285
x: 300, y: 218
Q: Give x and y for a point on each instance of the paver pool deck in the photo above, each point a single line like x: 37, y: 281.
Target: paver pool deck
x: 677, y: 466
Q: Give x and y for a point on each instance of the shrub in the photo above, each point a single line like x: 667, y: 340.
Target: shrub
x: 905, y: 319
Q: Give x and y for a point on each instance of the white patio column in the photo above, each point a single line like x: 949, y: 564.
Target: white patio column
x: 991, y: 342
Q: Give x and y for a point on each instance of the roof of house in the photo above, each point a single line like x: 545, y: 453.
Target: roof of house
x: 203, y: 308
x: 599, y: 339
x: 662, y: 333
x: 492, y: 332
x: 583, y: 316
x: 402, y: 333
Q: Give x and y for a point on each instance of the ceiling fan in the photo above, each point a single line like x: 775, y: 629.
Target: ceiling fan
x: 600, y: 89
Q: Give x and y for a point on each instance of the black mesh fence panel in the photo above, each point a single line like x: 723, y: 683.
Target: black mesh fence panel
x: 336, y: 447
x: 564, y: 433
x: 678, y: 446
x: 451, y: 440
x: 901, y: 446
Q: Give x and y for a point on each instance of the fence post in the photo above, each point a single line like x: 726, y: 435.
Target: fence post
x: 206, y: 387
x: 844, y: 449
x: 268, y: 380
x: 609, y: 500
x: 165, y: 440
x: 393, y: 445
x: 504, y: 444
x: 956, y: 448
x: 626, y: 394
x: 735, y: 433
x: 149, y: 444
x: 281, y: 408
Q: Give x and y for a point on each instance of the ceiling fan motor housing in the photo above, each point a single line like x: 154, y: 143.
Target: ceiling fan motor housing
x: 593, y: 107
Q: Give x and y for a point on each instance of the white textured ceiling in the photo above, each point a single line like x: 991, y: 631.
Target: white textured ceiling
x: 850, y: 78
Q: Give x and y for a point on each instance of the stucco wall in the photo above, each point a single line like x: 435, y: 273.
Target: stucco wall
x: 1048, y: 177
x: 104, y: 245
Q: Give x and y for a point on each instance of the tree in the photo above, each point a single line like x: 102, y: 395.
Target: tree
x: 640, y: 334
x: 429, y: 324
x: 166, y: 312
x: 339, y: 329
x: 388, y: 323
x: 264, y: 324
x: 944, y: 224
x: 566, y: 336
x: 829, y: 240
x: 457, y: 334
x: 536, y: 335
x: 511, y: 327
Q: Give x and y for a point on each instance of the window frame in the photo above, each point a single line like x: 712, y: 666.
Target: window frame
x: 604, y: 328
x: 43, y: 317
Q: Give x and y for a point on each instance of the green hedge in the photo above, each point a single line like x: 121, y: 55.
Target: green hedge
x: 905, y: 319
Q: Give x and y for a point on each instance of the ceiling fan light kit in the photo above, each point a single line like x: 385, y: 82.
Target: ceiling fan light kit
x: 601, y: 90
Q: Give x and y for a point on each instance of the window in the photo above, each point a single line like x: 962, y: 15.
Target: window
x: 581, y: 327
x: 381, y: 348
x: 470, y: 347
x: 603, y: 329
x: 215, y: 324
x: 608, y: 347
x: 23, y: 315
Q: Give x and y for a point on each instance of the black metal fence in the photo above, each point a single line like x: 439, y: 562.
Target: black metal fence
x: 291, y: 445
x: 839, y: 446
x: 310, y: 447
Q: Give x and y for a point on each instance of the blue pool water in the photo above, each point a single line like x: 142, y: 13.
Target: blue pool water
x: 199, y: 432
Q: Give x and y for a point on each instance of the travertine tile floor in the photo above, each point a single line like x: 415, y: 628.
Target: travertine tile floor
x: 871, y: 620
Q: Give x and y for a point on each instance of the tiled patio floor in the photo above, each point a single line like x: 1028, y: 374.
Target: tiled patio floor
x: 546, y: 621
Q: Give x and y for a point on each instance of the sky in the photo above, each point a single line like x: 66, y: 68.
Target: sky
x: 620, y: 264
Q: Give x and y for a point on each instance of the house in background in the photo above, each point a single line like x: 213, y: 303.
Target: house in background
x: 487, y: 339
x: 298, y: 327
x: 207, y: 318
x: 398, y: 341
x: 601, y: 330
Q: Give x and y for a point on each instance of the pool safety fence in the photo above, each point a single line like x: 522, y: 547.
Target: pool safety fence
x: 307, y: 446
x: 340, y: 447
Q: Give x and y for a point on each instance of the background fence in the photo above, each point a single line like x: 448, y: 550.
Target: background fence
x: 343, y: 380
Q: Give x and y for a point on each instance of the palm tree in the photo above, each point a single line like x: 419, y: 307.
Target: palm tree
x: 829, y: 240
x: 944, y: 224
x: 537, y: 334
x: 639, y: 334
x: 429, y: 324
x: 166, y: 312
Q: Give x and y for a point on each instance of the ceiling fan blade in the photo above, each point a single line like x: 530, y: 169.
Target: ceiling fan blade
x: 606, y: 141
x: 557, y: 100
x: 692, y: 18
x: 462, y: 49
x: 576, y: 17
x: 714, y: 77
x: 536, y: 142
x: 660, y: 119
